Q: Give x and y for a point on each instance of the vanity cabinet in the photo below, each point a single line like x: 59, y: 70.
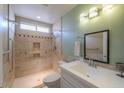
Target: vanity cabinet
x: 69, y: 80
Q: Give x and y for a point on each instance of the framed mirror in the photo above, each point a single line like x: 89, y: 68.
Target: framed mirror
x: 96, y: 46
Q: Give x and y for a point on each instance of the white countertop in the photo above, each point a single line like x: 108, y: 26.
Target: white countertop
x: 106, y: 78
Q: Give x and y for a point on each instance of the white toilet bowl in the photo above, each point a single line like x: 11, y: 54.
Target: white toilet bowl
x: 52, y: 81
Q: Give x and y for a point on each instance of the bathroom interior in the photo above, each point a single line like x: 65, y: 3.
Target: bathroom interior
x: 61, y: 46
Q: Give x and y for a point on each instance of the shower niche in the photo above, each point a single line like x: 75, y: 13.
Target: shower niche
x: 36, y: 49
x: 36, y: 45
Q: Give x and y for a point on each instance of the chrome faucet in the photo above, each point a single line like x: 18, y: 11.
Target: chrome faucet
x: 89, y: 62
x: 92, y: 63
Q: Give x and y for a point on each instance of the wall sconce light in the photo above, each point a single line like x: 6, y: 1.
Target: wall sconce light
x: 106, y: 7
x: 93, y: 12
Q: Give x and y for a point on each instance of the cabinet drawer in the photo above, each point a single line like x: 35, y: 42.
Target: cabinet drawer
x: 66, y: 84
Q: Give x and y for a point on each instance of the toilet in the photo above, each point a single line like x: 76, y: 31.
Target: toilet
x: 52, y: 81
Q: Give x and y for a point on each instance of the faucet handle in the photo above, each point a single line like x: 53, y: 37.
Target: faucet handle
x: 89, y: 62
x: 94, y: 64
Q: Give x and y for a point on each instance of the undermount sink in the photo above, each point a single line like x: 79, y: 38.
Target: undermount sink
x: 79, y: 68
x: 90, y: 72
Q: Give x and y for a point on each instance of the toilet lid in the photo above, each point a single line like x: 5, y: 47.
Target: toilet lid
x: 52, y: 78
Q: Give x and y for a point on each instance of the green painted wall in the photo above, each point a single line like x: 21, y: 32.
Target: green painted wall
x: 112, y: 20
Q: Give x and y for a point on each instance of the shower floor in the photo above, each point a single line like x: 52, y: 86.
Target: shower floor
x: 32, y: 80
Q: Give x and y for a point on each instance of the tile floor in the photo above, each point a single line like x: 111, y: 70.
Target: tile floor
x: 32, y: 80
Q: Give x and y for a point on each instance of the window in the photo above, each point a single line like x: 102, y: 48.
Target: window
x: 27, y: 27
x: 43, y: 29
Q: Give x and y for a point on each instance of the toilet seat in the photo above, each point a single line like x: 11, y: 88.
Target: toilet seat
x: 52, y: 79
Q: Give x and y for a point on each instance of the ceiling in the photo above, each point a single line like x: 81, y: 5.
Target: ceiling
x: 49, y: 13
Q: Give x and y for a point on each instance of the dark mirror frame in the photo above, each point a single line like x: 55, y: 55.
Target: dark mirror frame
x: 107, y: 46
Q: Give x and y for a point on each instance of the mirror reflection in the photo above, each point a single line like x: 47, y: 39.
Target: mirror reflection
x: 96, y: 46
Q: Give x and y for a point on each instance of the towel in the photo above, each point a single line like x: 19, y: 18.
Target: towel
x: 77, y: 48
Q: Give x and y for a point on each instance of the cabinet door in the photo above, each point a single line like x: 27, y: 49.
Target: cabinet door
x: 66, y: 84
x: 74, y: 81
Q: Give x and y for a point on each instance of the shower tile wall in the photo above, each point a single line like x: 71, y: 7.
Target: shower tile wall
x: 33, y: 52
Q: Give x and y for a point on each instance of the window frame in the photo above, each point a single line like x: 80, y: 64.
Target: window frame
x: 25, y: 24
x: 37, y: 28
x: 43, y: 27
